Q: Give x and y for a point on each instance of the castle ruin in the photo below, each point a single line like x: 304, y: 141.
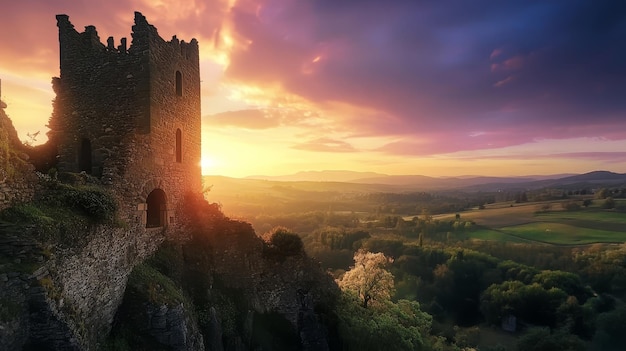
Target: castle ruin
x: 130, y: 116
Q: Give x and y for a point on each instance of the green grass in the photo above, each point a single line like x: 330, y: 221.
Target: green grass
x: 521, y: 223
x: 586, y: 215
x: 493, y: 235
x: 564, y: 234
x: 157, y: 288
x: 496, y: 217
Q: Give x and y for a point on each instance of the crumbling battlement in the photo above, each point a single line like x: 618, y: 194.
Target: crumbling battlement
x: 130, y: 116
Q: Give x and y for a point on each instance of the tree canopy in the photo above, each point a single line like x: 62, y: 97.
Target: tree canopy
x: 368, y: 278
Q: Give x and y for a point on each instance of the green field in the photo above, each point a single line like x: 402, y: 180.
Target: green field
x: 586, y: 215
x: 559, y: 227
x: 564, y: 234
x: 495, y: 235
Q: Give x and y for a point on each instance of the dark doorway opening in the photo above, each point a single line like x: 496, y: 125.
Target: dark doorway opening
x: 157, y: 209
x: 84, y: 156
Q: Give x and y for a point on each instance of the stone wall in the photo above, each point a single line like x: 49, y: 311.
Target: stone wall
x: 67, y: 298
x: 15, y: 191
x: 92, y: 280
x: 17, y: 179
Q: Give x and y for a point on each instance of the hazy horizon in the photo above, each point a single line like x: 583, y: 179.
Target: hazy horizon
x: 437, y: 89
x: 349, y: 175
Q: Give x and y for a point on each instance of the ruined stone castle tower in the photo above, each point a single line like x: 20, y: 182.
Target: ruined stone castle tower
x: 130, y: 116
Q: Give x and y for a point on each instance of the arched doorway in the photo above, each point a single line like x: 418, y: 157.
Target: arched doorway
x: 157, y: 209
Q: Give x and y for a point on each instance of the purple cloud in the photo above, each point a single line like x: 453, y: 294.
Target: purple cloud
x: 515, y: 70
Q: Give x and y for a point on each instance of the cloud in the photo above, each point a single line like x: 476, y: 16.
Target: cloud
x: 596, y: 156
x: 428, y: 75
x: 456, y: 141
x: 504, y: 81
x: 425, y: 66
x: 325, y: 145
x: 250, y: 119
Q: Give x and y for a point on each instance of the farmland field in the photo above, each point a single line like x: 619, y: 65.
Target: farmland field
x: 564, y: 234
x: 521, y: 222
x: 587, y: 215
x: 500, y: 216
x: 495, y: 235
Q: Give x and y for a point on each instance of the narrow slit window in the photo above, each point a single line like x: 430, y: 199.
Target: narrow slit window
x: 179, y: 146
x: 179, y: 83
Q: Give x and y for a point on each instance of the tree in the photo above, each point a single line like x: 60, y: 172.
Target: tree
x: 368, y: 278
x: 609, y: 203
x: 284, y: 242
x: 398, y: 326
x: 587, y: 202
x: 521, y: 197
x: 611, y: 332
x: 540, y: 339
x: 603, y: 193
x: 426, y: 217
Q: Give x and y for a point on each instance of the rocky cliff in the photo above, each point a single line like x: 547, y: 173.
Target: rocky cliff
x: 224, y: 288
x: 242, y: 292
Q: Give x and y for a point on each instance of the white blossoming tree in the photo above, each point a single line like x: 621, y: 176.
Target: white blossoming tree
x: 368, y: 278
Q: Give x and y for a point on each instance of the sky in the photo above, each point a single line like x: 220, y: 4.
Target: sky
x: 438, y: 88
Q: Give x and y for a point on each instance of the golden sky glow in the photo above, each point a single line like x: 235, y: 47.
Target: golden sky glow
x: 288, y: 87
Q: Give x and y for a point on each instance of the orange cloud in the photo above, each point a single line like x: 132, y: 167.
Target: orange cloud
x: 325, y: 145
x: 249, y: 119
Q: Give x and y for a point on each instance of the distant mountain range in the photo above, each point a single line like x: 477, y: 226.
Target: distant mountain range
x: 478, y: 183
x: 321, y: 176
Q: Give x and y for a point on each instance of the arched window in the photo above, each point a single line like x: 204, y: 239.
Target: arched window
x: 179, y: 146
x: 179, y: 83
x: 157, y: 209
x: 84, y: 156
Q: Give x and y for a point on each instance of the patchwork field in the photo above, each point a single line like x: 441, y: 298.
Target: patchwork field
x: 522, y: 223
x: 564, y: 234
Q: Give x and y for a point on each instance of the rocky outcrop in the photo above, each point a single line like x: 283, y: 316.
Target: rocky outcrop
x: 222, y: 289
x: 28, y: 315
x: 284, y: 293
x: 173, y: 327
x: 227, y: 289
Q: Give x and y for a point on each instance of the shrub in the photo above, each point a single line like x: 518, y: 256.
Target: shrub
x: 609, y: 203
x: 570, y: 206
x: 92, y: 201
x: 157, y: 288
x: 284, y: 242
